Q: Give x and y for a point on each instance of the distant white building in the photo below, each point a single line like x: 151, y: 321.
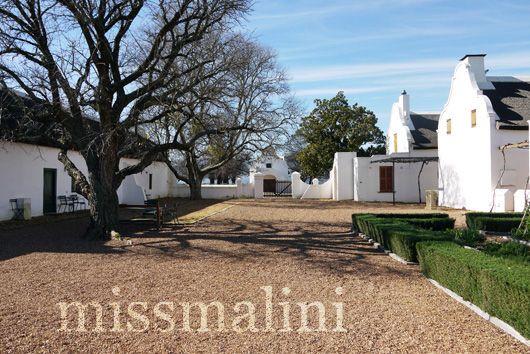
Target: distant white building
x: 274, y: 169
x: 482, y: 114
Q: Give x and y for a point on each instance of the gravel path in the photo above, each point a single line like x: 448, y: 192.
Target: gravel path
x: 302, y: 246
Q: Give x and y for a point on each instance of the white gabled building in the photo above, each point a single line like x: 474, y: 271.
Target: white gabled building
x: 482, y: 114
x: 409, y: 168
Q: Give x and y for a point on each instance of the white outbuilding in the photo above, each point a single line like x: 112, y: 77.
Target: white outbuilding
x: 482, y: 114
x: 35, y: 181
x: 410, y: 167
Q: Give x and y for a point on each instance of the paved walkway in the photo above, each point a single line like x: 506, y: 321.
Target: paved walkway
x: 243, y: 254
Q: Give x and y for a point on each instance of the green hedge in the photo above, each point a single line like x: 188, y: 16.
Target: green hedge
x: 399, y: 216
x: 400, y: 235
x: 503, y: 222
x: 435, y: 224
x: 498, y: 286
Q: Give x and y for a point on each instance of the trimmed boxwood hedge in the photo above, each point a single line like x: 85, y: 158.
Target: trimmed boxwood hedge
x: 498, y: 286
x: 400, y: 235
x: 409, y: 216
x: 436, y: 224
x: 503, y: 222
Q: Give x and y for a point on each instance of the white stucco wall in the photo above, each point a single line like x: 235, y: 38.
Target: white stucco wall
x: 22, y: 174
x: 342, y: 176
x: 406, y: 179
x: 470, y: 160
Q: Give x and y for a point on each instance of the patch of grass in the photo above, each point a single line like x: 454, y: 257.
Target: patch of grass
x: 190, y: 215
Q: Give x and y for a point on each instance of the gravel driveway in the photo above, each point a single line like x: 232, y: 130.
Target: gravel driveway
x: 262, y: 257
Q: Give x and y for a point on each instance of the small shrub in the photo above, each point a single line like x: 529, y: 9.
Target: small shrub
x: 468, y: 237
x: 521, y: 234
x: 511, y: 250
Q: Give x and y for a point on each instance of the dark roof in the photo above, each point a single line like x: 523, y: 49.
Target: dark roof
x: 24, y: 120
x: 424, y: 134
x: 29, y: 121
x: 472, y: 55
x: 511, y: 102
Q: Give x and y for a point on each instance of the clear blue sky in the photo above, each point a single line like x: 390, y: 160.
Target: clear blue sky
x: 373, y: 49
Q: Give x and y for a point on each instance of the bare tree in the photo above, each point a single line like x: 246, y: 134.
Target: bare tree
x: 243, y: 106
x: 103, y: 69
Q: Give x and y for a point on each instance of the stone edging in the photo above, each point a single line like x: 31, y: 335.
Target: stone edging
x: 503, y: 326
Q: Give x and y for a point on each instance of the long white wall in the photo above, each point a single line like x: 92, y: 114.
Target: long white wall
x: 22, y: 175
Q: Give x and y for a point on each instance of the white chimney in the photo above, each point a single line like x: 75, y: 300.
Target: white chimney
x: 404, y: 105
x: 475, y: 63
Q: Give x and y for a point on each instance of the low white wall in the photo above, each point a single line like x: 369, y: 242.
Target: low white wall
x: 216, y: 191
x: 318, y: 191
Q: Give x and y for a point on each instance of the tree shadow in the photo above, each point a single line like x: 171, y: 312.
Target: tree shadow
x: 61, y: 236
x: 318, y: 244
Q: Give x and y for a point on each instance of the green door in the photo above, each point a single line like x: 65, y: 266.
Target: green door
x: 50, y: 191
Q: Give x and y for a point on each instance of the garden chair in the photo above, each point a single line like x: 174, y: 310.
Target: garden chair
x: 17, y: 208
x: 76, y: 201
x: 65, y: 203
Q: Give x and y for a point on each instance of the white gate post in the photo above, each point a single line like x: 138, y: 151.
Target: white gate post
x: 258, y: 185
x: 295, y: 184
x: 239, y: 188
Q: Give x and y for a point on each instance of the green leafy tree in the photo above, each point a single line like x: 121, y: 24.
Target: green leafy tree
x: 335, y: 126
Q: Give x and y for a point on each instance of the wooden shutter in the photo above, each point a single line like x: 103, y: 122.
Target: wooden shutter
x: 448, y: 126
x: 386, y: 174
x: 395, y: 143
x: 473, y: 118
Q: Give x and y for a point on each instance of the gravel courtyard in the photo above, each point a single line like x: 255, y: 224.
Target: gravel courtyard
x: 304, y: 246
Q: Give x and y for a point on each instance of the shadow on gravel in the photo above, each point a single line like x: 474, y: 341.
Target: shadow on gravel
x: 312, y: 242
x: 60, y: 236
x: 318, y: 244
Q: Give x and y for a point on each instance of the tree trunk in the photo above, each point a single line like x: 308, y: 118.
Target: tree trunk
x: 103, y: 199
x: 194, y: 177
x: 196, y: 190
